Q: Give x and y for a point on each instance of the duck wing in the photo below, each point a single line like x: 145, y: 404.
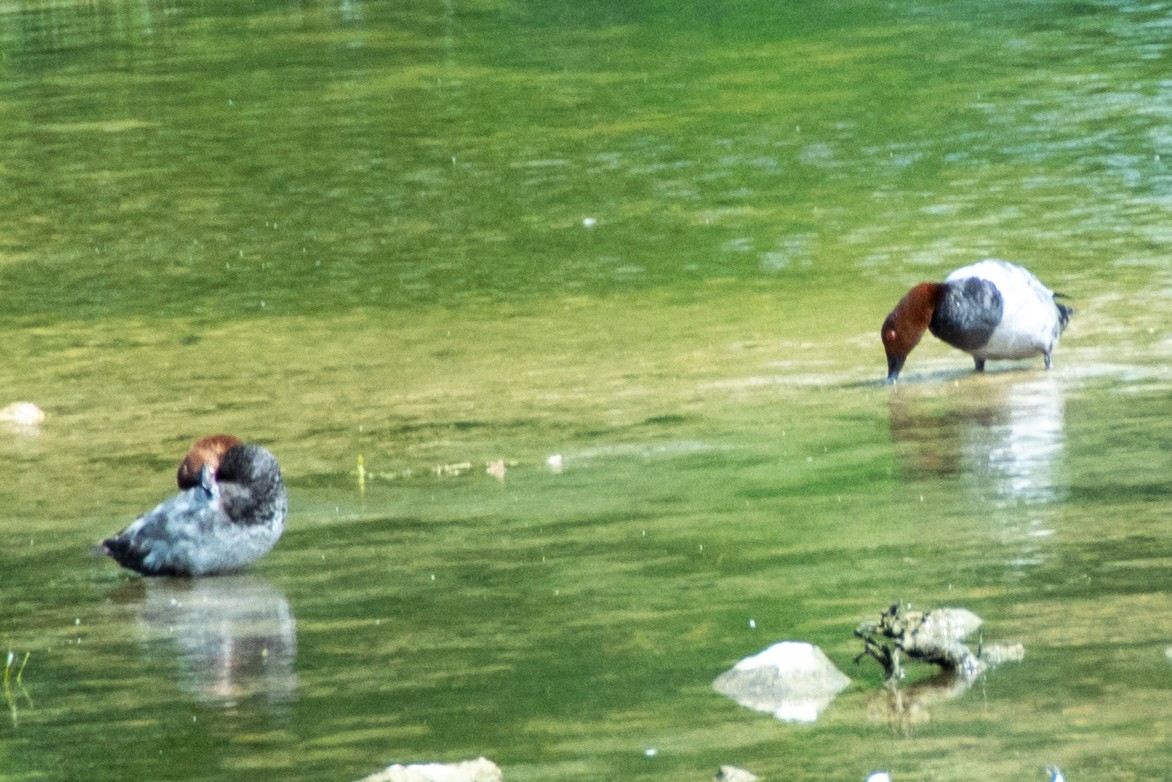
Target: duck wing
x: 163, y: 541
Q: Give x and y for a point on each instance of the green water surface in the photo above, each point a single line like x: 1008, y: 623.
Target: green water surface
x: 635, y: 255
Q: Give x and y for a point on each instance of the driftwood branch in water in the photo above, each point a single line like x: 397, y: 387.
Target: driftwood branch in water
x: 934, y: 636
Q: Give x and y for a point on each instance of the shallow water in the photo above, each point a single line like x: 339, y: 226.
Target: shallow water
x: 655, y: 242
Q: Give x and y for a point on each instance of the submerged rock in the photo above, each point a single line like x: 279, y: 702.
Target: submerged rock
x: 792, y: 680
x: 479, y: 770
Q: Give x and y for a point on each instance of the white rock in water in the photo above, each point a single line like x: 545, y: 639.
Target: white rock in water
x: 22, y: 414
x: 792, y: 680
x: 953, y: 624
x: 479, y: 770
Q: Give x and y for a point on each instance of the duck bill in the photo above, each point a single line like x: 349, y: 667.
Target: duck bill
x: 894, y: 366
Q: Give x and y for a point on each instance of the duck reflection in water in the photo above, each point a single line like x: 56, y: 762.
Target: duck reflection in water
x: 1004, y: 435
x: 235, y: 637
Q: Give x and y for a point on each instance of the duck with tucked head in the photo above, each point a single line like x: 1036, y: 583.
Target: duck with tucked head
x: 231, y: 511
x: 991, y: 310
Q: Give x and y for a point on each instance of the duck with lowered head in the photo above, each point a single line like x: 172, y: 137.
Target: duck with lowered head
x: 991, y: 310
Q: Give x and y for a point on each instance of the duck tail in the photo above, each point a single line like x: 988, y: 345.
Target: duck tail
x: 1064, y: 312
x: 126, y: 551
